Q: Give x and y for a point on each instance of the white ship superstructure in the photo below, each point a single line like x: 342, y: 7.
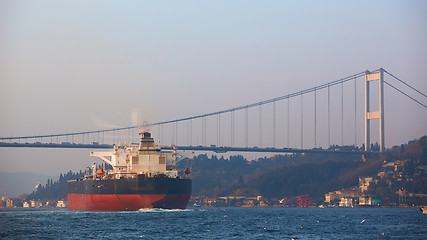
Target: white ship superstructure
x: 146, y: 159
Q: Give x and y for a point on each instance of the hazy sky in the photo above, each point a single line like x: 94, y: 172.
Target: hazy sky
x: 68, y: 66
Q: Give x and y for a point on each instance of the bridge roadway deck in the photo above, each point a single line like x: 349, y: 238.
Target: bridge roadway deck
x: 188, y: 148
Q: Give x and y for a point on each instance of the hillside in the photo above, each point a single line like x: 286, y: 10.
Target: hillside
x: 312, y: 179
x: 310, y: 174
x: 217, y: 177
x: 17, y: 183
x: 54, y: 190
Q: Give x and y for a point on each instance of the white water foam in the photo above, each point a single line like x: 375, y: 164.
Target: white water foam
x: 159, y: 210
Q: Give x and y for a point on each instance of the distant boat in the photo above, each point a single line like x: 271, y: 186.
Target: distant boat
x: 195, y: 205
x: 423, y: 209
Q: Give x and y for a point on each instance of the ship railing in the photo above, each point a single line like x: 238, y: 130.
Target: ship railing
x: 126, y: 174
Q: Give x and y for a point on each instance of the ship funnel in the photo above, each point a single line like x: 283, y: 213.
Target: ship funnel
x: 146, y: 144
x: 146, y: 135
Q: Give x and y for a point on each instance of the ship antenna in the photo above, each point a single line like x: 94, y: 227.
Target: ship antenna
x: 143, y: 128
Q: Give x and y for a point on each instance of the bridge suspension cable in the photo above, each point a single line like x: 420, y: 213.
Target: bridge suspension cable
x: 413, y: 99
x: 406, y: 84
x: 231, y: 110
x: 296, y: 94
x: 70, y: 134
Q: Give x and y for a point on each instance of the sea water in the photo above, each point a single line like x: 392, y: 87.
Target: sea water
x: 216, y: 223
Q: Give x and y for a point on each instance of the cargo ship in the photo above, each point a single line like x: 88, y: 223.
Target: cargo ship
x: 142, y: 176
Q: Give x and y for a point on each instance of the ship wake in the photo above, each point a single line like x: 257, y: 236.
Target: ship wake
x: 160, y: 210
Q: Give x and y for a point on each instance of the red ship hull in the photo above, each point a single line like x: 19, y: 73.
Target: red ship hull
x: 126, y: 202
x: 128, y: 194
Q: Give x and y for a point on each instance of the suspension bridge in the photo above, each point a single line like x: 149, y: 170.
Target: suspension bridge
x: 314, y: 120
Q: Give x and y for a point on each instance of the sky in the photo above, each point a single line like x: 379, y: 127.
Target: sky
x: 71, y: 66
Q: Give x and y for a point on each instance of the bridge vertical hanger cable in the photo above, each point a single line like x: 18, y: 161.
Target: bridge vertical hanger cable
x: 302, y: 124
x: 161, y: 138
x: 203, y: 131
x: 274, y: 124
x: 173, y: 133
x: 342, y: 113
x: 176, y: 133
x: 260, y: 125
x: 246, y: 127
x: 191, y: 132
x: 232, y: 128
x: 288, y: 123
x: 355, y: 111
x: 188, y: 132
x: 219, y: 127
x: 315, y: 118
x: 329, y: 119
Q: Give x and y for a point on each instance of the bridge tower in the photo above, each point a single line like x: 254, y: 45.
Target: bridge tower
x: 373, y: 76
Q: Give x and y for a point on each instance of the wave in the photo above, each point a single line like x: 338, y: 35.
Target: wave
x: 159, y: 210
